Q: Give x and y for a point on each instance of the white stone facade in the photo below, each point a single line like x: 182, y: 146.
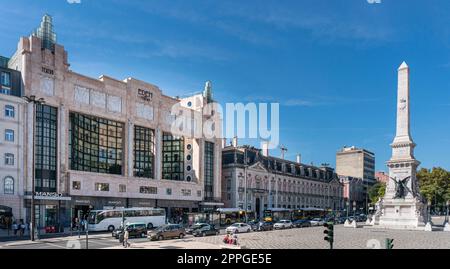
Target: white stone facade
x: 268, y: 188
x: 11, y: 154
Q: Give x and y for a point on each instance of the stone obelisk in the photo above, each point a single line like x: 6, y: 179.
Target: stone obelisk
x: 402, y: 206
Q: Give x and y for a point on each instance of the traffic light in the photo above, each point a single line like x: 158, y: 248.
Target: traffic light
x: 389, y: 243
x: 329, y: 232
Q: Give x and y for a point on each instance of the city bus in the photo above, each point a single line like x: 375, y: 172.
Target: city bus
x: 228, y: 216
x: 308, y: 213
x: 109, y: 220
x: 276, y: 214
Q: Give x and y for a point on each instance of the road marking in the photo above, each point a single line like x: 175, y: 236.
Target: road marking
x: 55, y: 245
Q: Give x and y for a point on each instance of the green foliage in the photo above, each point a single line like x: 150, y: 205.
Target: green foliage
x: 377, y: 191
x: 435, y: 185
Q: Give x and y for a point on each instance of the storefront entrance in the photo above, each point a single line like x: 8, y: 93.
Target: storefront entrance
x: 5, y: 217
x: 79, y: 211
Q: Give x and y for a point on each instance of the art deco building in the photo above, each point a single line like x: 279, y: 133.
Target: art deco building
x: 103, y: 143
x: 271, y: 182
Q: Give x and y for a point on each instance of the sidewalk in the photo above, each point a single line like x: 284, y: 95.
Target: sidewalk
x: 25, y: 239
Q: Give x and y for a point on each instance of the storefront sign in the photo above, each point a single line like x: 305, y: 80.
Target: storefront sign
x: 114, y: 202
x: 48, y: 194
x: 84, y: 202
x: 145, y: 94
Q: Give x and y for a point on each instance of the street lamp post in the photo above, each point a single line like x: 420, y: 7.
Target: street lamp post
x: 429, y: 211
x: 367, y: 198
x: 348, y: 207
x: 35, y: 101
x: 446, y: 217
x: 245, y: 186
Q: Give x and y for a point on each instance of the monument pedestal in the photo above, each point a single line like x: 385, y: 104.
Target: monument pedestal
x: 401, y: 214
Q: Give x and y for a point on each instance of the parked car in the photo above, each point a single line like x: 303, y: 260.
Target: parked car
x: 206, y: 230
x: 341, y: 220
x: 361, y: 218
x: 301, y: 223
x: 116, y: 233
x: 196, y: 226
x: 283, y: 224
x: 265, y: 226
x: 317, y: 222
x: 167, y: 231
x: 254, y: 225
x: 136, y: 229
x: 239, y: 228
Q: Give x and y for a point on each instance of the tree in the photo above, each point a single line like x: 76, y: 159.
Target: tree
x: 435, y: 185
x: 377, y: 191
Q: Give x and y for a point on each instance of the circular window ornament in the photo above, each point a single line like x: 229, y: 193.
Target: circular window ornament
x: 188, y: 168
x: 189, y: 146
x: 188, y: 179
x: 189, y: 104
x: 189, y: 157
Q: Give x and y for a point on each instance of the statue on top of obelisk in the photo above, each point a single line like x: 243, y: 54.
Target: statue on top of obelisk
x: 402, y: 205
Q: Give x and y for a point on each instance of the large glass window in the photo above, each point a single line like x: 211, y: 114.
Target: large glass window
x: 173, y: 157
x: 209, y: 170
x: 45, y: 157
x: 95, y: 144
x: 9, y: 111
x: 144, y: 152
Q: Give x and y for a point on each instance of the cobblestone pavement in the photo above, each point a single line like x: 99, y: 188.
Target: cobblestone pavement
x: 345, y: 238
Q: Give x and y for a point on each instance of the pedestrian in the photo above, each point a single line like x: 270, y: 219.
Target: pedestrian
x: 235, y: 239
x: 15, y: 227
x: 226, y: 239
x: 126, y: 235
x: 21, y: 228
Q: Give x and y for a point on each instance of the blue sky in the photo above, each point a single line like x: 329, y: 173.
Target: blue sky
x: 330, y: 64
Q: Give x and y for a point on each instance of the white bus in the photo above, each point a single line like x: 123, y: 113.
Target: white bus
x: 109, y: 220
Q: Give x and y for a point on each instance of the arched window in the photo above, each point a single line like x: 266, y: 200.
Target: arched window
x: 8, y: 185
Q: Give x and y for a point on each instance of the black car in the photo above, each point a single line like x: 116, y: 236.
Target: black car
x: 265, y: 226
x: 134, y: 230
x: 206, y: 230
x: 190, y: 230
x: 254, y: 225
x: 301, y: 223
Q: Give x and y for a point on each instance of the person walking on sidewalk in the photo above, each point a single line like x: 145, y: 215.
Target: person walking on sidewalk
x: 15, y: 228
x: 126, y: 235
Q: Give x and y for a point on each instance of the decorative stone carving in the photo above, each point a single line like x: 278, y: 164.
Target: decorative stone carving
x: 98, y: 99
x: 144, y: 111
x: 48, y: 86
x: 81, y: 95
x: 114, y: 103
